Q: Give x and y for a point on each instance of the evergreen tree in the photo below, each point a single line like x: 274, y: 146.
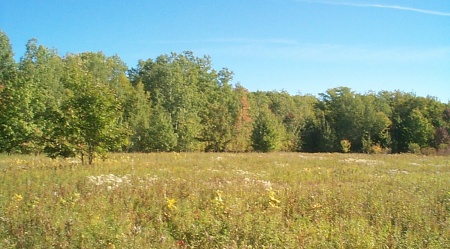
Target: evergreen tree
x: 267, y: 133
x: 160, y: 136
x: 137, y: 113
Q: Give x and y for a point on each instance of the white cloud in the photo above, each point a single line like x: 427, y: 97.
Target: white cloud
x: 423, y: 11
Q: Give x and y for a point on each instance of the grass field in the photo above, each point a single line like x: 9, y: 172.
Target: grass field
x: 207, y: 200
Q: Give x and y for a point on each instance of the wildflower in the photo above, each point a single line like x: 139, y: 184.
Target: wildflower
x: 177, y: 156
x: 219, y: 196
x: 136, y: 229
x: 62, y: 201
x: 219, y: 204
x: 110, y: 180
x: 171, y: 204
x: 18, y: 198
x: 218, y: 201
x: 180, y: 243
x: 316, y: 206
x: 267, y: 185
x: 273, y: 202
x: 33, y: 204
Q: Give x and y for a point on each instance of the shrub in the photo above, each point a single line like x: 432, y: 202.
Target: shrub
x: 386, y: 151
x: 375, y: 149
x: 429, y: 151
x: 414, y: 148
x: 443, y: 149
x: 366, y: 145
x: 345, y: 145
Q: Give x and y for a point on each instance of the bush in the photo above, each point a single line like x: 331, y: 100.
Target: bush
x: 375, y: 149
x: 443, y: 149
x: 414, y: 148
x: 366, y: 145
x: 386, y: 151
x: 429, y: 151
x: 345, y: 145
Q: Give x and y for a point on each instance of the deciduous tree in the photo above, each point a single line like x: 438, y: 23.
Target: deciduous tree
x: 89, y: 119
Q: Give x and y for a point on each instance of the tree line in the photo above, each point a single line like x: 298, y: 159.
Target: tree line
x: 87, y: 104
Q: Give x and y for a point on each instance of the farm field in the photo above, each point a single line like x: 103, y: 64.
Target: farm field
x: 220, y: 200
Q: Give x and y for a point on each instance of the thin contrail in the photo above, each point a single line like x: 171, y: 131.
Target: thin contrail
x: 429, y: 12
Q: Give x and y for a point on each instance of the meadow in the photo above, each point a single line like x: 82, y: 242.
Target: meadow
x: 224, y: 200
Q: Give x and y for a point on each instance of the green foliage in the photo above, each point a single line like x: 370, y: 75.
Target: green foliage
x: 89, y: 103
x: 428, y: 151
x: 240, y: 141
x: 443, y: 146
x: 292, y: 112
x: 137, y: 113
x: 89, y: 117
x: 418, y: 128
x: 218, y: 116
x: 344, y: 112
x: 161, y: 136
x: 355, y: 117
x: 345, y: 145
x: 375, y: 149
x: 267, y: 133
x: 414, y: 148
x: 317, y: 135
x: 182, y: 85
x: 441, y: 136
x: 40, y: 69
x: 16, y: 113
x: 7, y: 64
x: 410, y: 123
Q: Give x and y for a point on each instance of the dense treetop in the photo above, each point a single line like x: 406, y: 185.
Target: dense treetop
x: 87, y: 104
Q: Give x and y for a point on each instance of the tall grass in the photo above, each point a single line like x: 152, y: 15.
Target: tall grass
x: 207, y: 200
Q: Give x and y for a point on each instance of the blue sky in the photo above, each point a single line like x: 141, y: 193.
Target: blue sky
x: 301, y: 46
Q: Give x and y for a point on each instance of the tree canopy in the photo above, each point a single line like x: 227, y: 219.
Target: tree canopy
x: 89, y: 103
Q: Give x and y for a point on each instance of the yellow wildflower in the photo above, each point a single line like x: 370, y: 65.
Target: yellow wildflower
x: 273, y: 202
x: 316, y: 206
x: 171, y: 204
x: 18, y: 198
x: 218, y: 198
